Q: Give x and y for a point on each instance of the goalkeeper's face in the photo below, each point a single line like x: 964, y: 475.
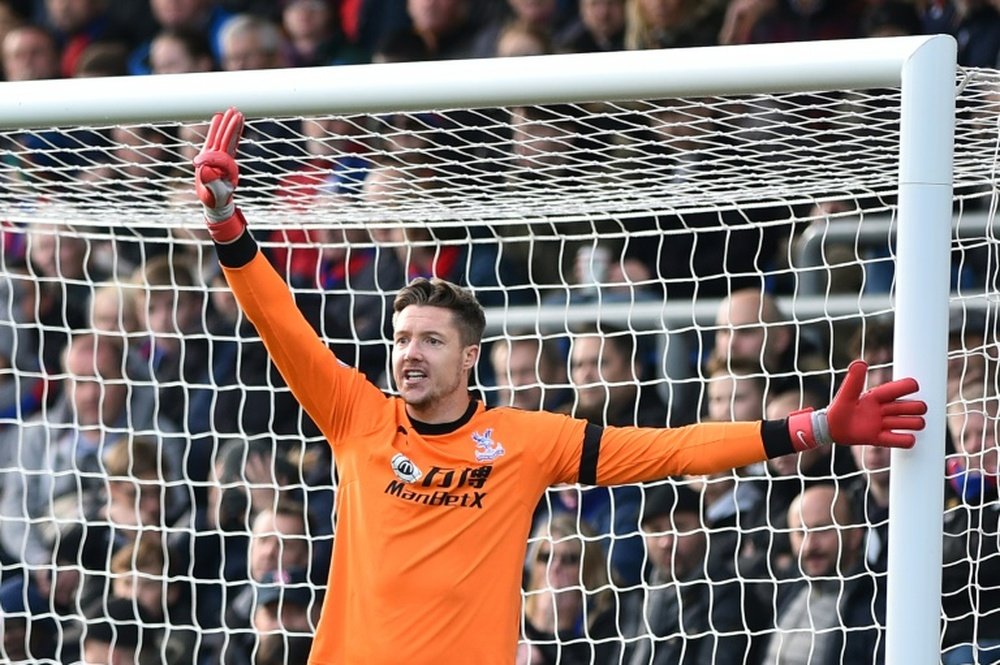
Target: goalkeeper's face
x: 431, y: 364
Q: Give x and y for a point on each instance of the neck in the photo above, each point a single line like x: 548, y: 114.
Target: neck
x: 440, y: 412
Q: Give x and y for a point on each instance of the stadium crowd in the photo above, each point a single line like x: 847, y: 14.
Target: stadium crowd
x: 164, y: 499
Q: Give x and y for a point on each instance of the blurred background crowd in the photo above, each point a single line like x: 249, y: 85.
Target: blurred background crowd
x: 164, y: 499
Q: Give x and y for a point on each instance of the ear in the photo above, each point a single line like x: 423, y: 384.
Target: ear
x: 470, y: 356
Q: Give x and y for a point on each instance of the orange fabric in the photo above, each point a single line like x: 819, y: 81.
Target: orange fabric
x: 432, y: 530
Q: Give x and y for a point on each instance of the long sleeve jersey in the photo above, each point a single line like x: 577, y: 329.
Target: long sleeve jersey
x: 433, y: 520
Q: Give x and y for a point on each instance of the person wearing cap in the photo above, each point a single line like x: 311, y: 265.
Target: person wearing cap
x: 693, y: 608
x: 436, y: 492
x: 284, y: 604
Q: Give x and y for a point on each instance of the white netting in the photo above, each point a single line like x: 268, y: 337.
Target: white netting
x: 610, y: 231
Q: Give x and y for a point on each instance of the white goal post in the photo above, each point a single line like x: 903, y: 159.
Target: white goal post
x: 922, y: 69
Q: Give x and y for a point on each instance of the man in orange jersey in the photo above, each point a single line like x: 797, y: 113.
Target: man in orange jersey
x: 436, y: 491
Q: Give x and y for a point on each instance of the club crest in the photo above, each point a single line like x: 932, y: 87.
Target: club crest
x: 487, y: 449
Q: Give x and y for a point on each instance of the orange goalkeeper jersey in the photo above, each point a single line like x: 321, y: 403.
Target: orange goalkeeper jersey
x: 433, y: 520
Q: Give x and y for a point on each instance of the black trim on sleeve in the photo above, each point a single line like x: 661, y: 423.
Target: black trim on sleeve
x: 237, y: 253
x: 777, y: 440
x: 590, y: 454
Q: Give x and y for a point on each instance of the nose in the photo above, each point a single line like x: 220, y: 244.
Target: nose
x: 411, y: 351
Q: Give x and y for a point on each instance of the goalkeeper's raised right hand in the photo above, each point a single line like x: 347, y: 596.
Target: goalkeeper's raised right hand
x: 216, y: 175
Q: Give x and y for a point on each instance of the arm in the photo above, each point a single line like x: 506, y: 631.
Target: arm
x: 326, y: 389
x: 628, y: 454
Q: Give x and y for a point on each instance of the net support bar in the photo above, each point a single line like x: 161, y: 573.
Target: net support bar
x: 920, y: 350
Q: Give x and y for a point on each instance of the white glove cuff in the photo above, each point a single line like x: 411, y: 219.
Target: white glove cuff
x: 216, y: 215
x: 821, y: 428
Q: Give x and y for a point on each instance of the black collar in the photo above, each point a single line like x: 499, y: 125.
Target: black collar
x: 434, y: 429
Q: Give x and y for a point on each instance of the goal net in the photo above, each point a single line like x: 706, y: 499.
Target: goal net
x: 654, y: 260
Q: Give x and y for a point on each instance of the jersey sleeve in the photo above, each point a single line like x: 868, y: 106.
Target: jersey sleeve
x: 636, y: 454
x: 338, y: 398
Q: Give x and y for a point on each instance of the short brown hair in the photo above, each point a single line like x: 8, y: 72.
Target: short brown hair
x: 134, y: 457
x: 435, y: 292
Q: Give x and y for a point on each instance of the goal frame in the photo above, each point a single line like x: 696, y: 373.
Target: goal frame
x: 924, y: 68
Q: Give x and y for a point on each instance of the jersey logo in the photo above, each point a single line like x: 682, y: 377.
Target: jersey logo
x: 487, y: 449
x: 404, y: 469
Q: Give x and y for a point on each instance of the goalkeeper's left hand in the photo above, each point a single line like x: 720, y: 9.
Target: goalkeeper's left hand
x: 855, y: 418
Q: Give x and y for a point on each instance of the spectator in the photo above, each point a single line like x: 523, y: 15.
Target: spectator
x: 279, y: 549
x: 202, y: 17
x: 117, y: 633
x: 40, y: 602
x: 972, y: 352
x: 281, y: 649
x: 607, y: 371
x: 830, y: 611
x: 569, y: 608
x: 257, y: 402
x: 975, y: 24
x: 600, y: 26
x: 971, y: 551
x: 375, y: 23
x: 142, y: 572
x: 102, y: 59
x: 180, y: 352
x: 219, y: 545
x: 519, y: 40
x: 740, y: 19
x: 23, y: 386
x: 80, y: 24
x: 807, y: 20
x: 530, y: 373
x: 286, y: 605
x: 26, y: 632
x: 180, y: 51
x: 751, y: 327
x: 733, y: 501
x: 61, y: 261
x: 132, y: 504
x: 447, y: 27
x: 891, y: 18
x: 11, y: 17
x: 114, y: 310
x: 62, y: 452
x: 869, y: 494
x: 29, y: 53
x: 766, y: 550
x: 542, y: 17
x: 314, y: 36
x: 461, y: 255
x: 251, y: 42
x: 671, y: 24
x: 693, y: 608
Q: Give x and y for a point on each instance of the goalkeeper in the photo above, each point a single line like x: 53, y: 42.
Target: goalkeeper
x: 436, y: 491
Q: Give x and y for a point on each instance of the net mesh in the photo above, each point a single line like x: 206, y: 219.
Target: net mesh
x: 156, y: 473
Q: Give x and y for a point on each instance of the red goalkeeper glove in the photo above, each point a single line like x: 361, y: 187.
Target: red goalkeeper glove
x: 855, y: 418
x: 216, y: 175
